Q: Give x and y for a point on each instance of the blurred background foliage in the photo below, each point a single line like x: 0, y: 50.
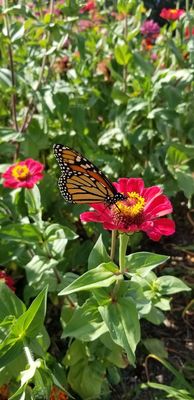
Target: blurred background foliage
x: 91, y: 80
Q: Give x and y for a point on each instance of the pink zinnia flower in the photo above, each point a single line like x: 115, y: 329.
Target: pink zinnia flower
x: 8, y: 280
x: 89, y: 6
x: 84, y: 24
x: 171, y: 13
x: 150, y: 28
x: 141, y: 211
x: 23, y: 174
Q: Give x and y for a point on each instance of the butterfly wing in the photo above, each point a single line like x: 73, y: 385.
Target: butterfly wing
x: 81, y: 181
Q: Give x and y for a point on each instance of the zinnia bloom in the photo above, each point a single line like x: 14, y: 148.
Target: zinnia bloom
x: 189, y: 32
x: 150, y: 28
x: 171, y: 13
x: 90, y: 5
x: 8, y: 280
x: 141, y: 211
x: 23, y: 174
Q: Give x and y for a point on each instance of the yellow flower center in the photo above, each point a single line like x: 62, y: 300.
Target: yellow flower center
x: 132, y: 206
x: 20, y: 172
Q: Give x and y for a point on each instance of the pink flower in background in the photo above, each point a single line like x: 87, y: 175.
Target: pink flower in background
x: 141, y: 211
x: 171, y: 13
x: 8, y: 280
x: 84, y: 24
x: 150, y: 28
x: 23, y: 174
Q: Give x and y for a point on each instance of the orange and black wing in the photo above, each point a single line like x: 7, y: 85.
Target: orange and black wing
x: 81, y: 181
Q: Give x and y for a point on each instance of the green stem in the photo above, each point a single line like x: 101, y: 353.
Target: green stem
x: 124, y: 239
x: 28, y: 354
x: 125, y: 34
x: 123, y: 242
x: 113, y: 244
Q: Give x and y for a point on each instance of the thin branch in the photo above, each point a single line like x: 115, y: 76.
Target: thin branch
x: 31, y: 107
x: 11, y: 63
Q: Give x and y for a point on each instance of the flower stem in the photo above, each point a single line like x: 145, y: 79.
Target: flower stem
x: 124, y: 239
x: 113, y: 244
x: 28, y: 354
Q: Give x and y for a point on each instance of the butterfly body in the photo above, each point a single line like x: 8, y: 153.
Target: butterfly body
x: 81, y: 181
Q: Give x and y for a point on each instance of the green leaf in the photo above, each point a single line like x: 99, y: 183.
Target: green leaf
x: 86, y: 378
x: 175, y: 158
x: 155, y: 316
x: 102, y: 276
x: 143, y: 262
x: 98, y: 254
x: 52, y: 230
x: 18, y: 35
x: 170, y: 284
x: 121, y: 318
x: 10, y: 349
x: 33, y: 202
x: 39, y: 272
x: 10, y: 303
x: 156, y: 347
x: 29, y: 323
x: 25, y: 233
x: 116, y: 355
x: 86, y: 323
x: 5, y: 77
x: 185, y: 182
x: 56, y: 237
x: 124, y: 6
x: 122, y: 54
x: 145, y: 65
x: 8, y: 134
x: 172, y: 392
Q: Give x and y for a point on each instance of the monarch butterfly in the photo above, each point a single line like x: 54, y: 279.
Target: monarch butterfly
x: 81, y: 181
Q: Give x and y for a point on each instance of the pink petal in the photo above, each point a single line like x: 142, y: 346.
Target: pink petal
x: 34, y: 166
x: 11, y: 184
x: 91, y: 216
x: 166, y: 226
x: 8, y: 172
x: 122, y: 185
x: 110, y: 226
x: 156, y: 228
x: 150, y: 193
x: 126, y: 185
x: 158, y: 207
x: 135, y: 185
x: 34, y: 178
x: 100, y: 207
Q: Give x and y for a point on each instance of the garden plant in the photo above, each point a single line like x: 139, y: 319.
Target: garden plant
x: 96, y: 200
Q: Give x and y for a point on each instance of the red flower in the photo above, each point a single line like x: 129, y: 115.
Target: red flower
x: 171, y: 13
x: 189, y: 32
x: 90, y: 5
x: 141, y: 211
x: 8, y: 280
x: 57, y: 394
x: 23, y: 174
x: 147, y: 44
